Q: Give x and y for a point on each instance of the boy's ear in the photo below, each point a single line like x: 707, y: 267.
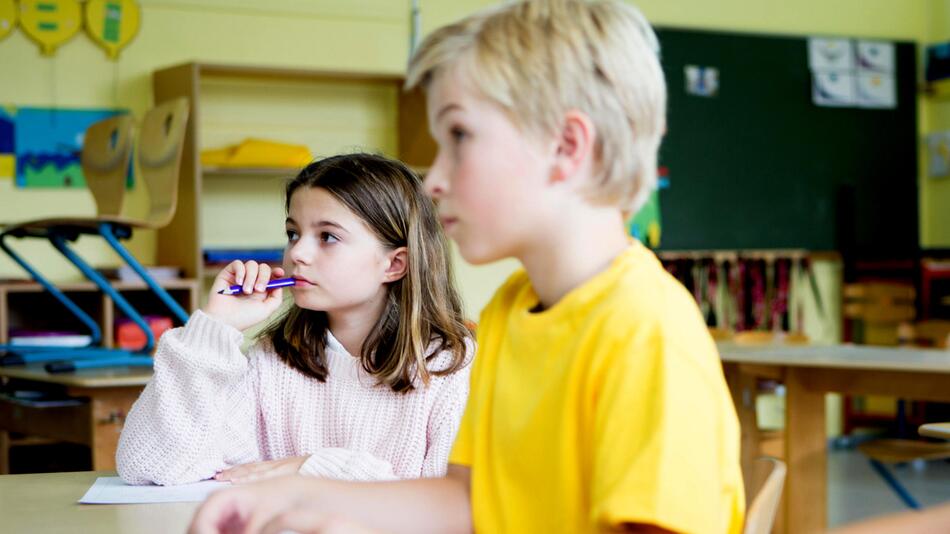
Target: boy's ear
x: 398, y: 264
x: 575, y: 145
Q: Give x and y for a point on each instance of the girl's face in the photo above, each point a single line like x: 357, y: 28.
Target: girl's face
x: 339, y: 264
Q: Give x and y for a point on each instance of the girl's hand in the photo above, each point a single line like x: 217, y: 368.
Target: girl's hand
x: 254, y: 305
x: 261, y: 470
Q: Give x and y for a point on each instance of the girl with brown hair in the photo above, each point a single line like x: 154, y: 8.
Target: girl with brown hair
x: 363, y: 377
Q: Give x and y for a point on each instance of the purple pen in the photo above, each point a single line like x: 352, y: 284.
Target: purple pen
x: 273, y: 284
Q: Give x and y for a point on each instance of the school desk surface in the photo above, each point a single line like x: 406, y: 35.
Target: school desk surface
x: 808, y: 373
x: 935, y: 430
x: 48, y: 503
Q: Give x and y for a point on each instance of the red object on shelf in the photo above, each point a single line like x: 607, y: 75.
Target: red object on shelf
x: 129, y: 336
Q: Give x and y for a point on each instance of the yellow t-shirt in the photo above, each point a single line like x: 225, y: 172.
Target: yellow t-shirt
x: 608, y: 408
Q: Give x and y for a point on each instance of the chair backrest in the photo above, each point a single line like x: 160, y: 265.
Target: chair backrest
x: 106, y: 150
x: 764, y: 505
x: 161, y: 140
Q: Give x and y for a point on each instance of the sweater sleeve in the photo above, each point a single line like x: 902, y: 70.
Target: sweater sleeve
x: 446, y: 417
x: 198, y: 414
x: 345, y: 464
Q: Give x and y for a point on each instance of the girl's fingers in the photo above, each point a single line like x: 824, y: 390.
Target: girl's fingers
x: 250, y: 276
x: 237, y: 268
x: 278, y: 272
x: 263, y: 276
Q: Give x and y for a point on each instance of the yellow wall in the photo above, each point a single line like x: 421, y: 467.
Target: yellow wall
x: 935, y: 193
x: 364, y: 35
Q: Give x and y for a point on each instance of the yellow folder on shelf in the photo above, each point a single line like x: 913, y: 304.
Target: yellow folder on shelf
x: 258, y: 153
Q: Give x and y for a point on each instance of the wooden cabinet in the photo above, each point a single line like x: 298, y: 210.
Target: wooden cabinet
x: 402, y: 132
x: 26, y: 305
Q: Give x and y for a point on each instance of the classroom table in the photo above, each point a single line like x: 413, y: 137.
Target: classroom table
x: 808, y: 373
x: 935, y: 430
x: 97, y: 423
x: 48, y: 503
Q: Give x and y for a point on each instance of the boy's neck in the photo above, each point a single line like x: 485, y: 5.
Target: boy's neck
x: 574, y: 248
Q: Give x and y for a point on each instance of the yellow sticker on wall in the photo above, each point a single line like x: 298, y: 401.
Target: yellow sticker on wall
x: 7, y: 17
x: 112, y: 24
x: 50, y: 22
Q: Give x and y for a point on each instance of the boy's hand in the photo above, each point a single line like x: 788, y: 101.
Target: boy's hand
x: 260, y: 470
x: 252, y: 306
x: 248, y: 508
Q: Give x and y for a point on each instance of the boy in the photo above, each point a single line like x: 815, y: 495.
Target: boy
x: 598, y: 401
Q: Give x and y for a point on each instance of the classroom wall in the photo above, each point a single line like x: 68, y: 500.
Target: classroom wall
x: 366, y: 35
x: 935, y: 193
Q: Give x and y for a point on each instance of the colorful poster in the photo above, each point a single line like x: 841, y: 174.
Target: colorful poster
x: 645, y: 225
x: 7, y: 152
x: 48, y: 142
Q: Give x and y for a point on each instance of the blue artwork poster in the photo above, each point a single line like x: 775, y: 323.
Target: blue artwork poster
x: 7, y: 155
x: 47, y: 143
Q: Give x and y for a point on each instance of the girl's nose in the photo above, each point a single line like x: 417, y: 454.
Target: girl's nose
x: 300, y: 253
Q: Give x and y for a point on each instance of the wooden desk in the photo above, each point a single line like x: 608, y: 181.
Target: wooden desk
x: 47, y: 503
x: 110, y: 391
x: 935, y: 430
x: 809, y: 372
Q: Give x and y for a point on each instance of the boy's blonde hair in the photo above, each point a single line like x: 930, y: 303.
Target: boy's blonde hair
x: 539, y: 59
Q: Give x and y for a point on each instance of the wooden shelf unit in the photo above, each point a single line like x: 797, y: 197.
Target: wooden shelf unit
x: 179, y: 243
x: 27, y: 305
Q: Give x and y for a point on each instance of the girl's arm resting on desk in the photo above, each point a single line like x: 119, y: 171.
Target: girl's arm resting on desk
x: 198, y: 413
x: 304, y: 504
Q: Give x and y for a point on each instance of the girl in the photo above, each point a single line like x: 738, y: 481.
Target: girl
x: 364, y: 377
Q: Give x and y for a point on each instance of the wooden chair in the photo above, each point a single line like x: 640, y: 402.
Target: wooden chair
x: 105, y: 160
x: 883, y: 452
x: 764, y: 506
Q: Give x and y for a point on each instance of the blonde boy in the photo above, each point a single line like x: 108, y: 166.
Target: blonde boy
x: 598, y: 401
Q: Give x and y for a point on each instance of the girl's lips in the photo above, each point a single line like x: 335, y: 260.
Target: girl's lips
x: 302, y: 282
x: 448, y: 221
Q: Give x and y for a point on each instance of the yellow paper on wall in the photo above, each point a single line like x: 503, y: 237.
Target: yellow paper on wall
x: 112, y: 24
x: 7, y: 17
x: 50, y: 22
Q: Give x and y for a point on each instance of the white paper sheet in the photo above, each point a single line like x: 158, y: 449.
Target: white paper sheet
x: 833, y: 89
x: 111, y: 490
x: 830, y: 54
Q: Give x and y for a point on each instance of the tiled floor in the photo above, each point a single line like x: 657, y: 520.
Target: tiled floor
x: 856, y: 492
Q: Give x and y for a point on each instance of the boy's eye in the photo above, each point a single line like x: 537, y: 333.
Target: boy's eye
x: 292, y: 235
x: 327, y: 237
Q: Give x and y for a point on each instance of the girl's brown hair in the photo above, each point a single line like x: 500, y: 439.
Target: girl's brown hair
x: 422, y: 308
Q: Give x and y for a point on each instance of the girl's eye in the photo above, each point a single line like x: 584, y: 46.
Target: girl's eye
x: 458, y: 134
x: 327, y: 237
x: 292, y: 236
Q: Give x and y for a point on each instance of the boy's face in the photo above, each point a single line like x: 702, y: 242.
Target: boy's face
x: 489, y: 178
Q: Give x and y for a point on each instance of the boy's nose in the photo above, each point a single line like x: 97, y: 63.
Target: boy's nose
x: 434, y: 182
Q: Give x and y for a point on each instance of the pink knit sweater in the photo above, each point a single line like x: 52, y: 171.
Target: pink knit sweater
x: 209, y: 407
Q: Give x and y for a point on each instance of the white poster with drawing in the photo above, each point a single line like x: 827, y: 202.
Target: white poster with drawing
x: 876, y: 91
x: 826, y: 54
x: 875, y: 57
x: 833, y: 89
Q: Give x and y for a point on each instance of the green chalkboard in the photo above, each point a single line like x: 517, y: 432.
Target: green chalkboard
x: 760, y: 166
